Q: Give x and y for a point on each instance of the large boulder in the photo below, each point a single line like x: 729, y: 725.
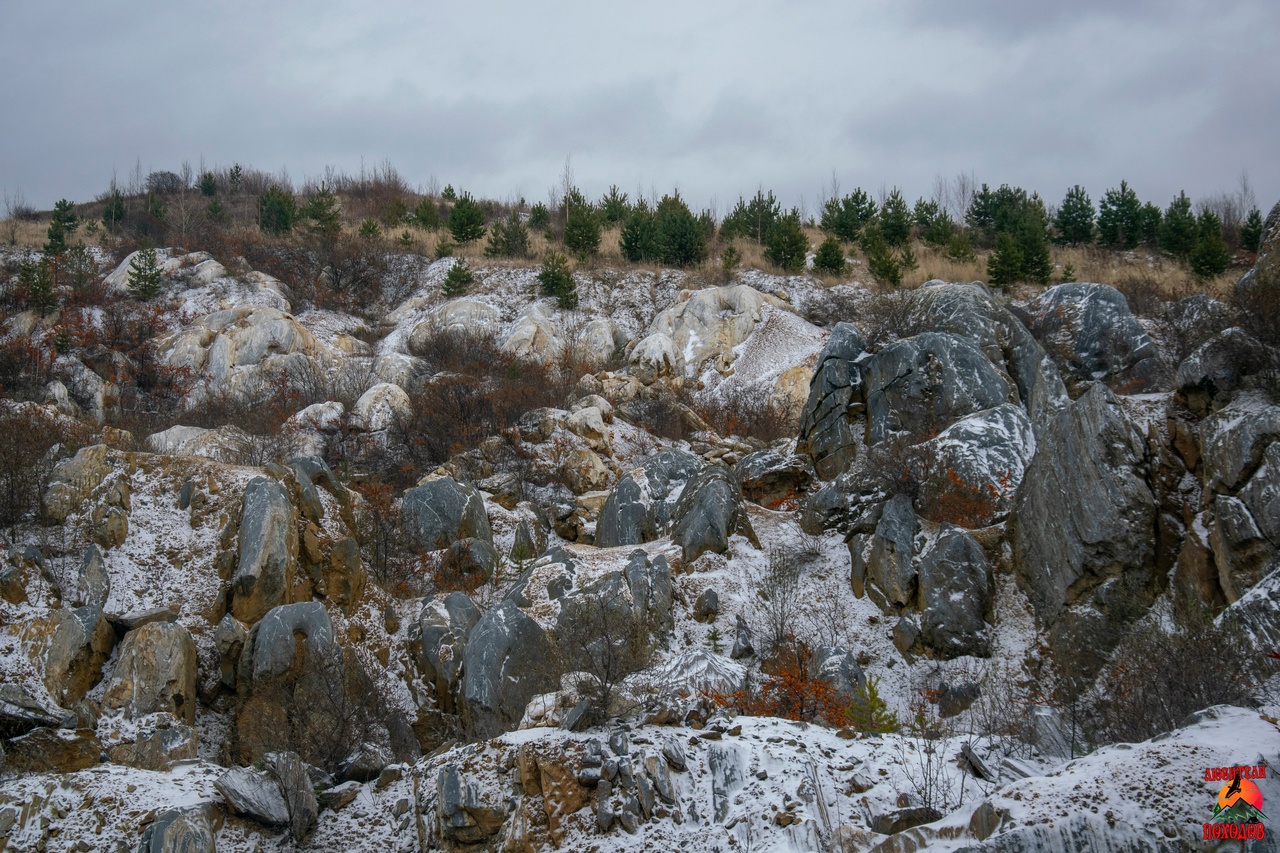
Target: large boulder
x: 955, y: 595
x: 444, y: 626
x: 971, y: 471
x: 534, y: 336
x: 381, y: 407
x: 74, y: 479
x: 918, y: 386
x: 505, y: 663
x: 708, y: 325
x: 1082, y: 526
x: 52, y: 751
x: 181, y: 830
x: 155, y: 672
x: 457, y: 316
x: 639, y: 507
x: 773, y: 480
x: 655, y: 357
x: 1234, y: 439
x: 1091, y: 331
x: 967, y: 310
x: 829, y: 432
x: 709, y: 511
x: 76, y: 644
x: 226, y: 443
x: 268, y: 550
x: 255, y: 332
x: 93, y: 584
x: 442, y: 511
x: 883, y: 562
x: 1209, y: 377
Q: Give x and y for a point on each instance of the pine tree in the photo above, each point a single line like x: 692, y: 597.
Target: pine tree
x: 581, y: 228
x: 427, y: 214
x: 539, y: 217
x: 830, y: 258
x: 1151, y: 220
x: 449, y: 194
x: 679, y: 239
x: 208, y: 185
x: 1251, y: 232
x: 614, y: 207
x: 1210, y: 257
x: 1033, y: 246
x: 1074, y: 221
x: 870, y: 713
x: 466, y: 220
x: 1004, y: 264
x: 62, y: 225
x: 638, y: 239
x: 215, y: 211
x: 35, y: 280
x: 508, y: 238
x: 786, y: 244
x: 1120, y: 218
x: 845, y: 217
x: 881, y: 262
x: 895, y: 219
x: 324, y: 217
x: 1179, y: 231
x: 113, y: 210
x: 277, y: 210
x: 458, y: 279
x: 753, y: 219
x: 369, y: 229
x: 556, y: 279
x: 144, y: 274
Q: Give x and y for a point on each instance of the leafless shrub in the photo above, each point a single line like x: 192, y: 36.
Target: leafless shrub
x: 778, y: 593
x: 601, y: 636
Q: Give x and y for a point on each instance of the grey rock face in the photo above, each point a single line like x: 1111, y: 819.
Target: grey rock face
x: 839, y: 668
x: 828, y: 432
x: 155, y: 672
x: 254, y: 795
x: 271, y: 647
x: 1261, y: 495
x: 504, y: 666
x: 639, y: 507
x: 955, y: 595
x: 1233, y: 441
x: 268, y: 550
x: 366, y: 763
x: 440, y: 512
x: 160, y: 741
x: 918, y: 386
x: 462, y: 815
x: 727, y: 776
x: 445, y: 625
x: 743, y: 645
x: 290, y: 775
x: 707, y: 606
x: 1085, y: 514
x: 885, y: 559
x: 968, y: 311
x: 1209, y: 377
x: 768, y: 478
x: 709, y: 511
x: 80, y: 640
x: 1097, y: 337
x: 93, y: 586
x: 188, y: 830
x: 472, y: 558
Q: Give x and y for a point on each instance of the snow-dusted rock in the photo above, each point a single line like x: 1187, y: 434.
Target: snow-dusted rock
x: 709, y: 511
x: 640, y: 505
x: 1209, y: 377
x: 155, y: 672
x: 74, y: 479
x: 442, y: 511
x: 380, y: 407
x: 226, y: 443
x: 654, y: 357
x: 955, y: 595
x: 457, y: 316
x: 1089, y: 326
x: 93, y: 585
x: 828, y: 432
x: 268, y: 550
x: 255, y: 795
x: 534, y: 336
x: 708, y: 325
x: 918, y: 386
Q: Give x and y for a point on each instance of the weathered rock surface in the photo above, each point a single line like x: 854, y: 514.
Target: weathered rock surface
x: 187, y: 830
x: 444, y: 626
x: 955, y: 595
x: 52, y: 751
x: 828, y: 430
x: 155, y: 672
x: 1090, y: 330
x: 640, y: 505
x: 442, y: 511
x: 772, y: 480
x: 918, y: 386
x: 1083, y: 521
x: 709, y: 511
x: 93, y: 586
x: 268, y: 550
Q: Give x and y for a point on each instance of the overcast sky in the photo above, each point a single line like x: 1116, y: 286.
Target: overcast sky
x: 715, y: 98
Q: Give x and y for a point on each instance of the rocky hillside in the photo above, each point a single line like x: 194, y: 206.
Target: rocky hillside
x: 764, y: 564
